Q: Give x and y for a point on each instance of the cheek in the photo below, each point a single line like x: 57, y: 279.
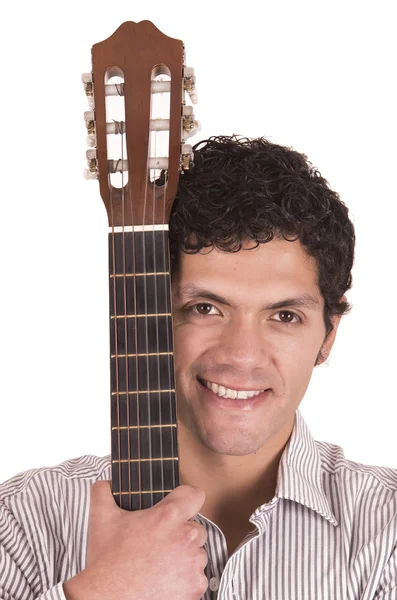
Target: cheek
x: 187, y: 346
x: 296, y: 361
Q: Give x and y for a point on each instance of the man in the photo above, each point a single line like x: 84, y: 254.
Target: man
x: 261, y: 257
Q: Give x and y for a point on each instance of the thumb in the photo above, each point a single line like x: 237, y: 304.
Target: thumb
x: 101, y: 498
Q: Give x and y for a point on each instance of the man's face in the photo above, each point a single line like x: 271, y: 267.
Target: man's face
x: 247, y: 321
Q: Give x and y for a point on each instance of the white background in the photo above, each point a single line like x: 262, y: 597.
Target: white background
x: 318, y: 76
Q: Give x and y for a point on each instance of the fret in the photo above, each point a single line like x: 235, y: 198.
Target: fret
x: 140, y: 392
x: 139, y: 295
x: 143, y: 427
x: 146, y: 227
x: 130, y: 460
x: 142, y: 373
x: 138, y: 501
x: 141, y: 315
x: 141, y: 335
x: 139, y: 274
x: 144, y: 492
x: 143, y: 409
x: 142, y: 354
x: 145, y: 251
x: 145, y: 474
x: 144, y: 443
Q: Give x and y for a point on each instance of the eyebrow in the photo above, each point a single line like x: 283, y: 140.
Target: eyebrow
x: 192, y: 291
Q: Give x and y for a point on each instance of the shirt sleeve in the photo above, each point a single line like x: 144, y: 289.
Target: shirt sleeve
x: 19, y: 573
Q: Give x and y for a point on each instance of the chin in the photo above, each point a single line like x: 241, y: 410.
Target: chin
x: 236, y: 444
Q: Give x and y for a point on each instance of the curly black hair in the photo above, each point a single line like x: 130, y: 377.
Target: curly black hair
x: 241, y: 189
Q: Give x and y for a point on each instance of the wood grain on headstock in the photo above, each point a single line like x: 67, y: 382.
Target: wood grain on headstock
x: 135, y: 50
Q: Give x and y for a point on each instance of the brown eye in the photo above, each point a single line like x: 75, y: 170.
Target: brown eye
x: 203, y: 308
x: 286, y: 316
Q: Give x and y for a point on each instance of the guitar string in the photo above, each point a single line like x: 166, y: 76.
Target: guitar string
x: 116, y: 247
x: 167, y: 308
x: 168, y: 304
x: 116, y: 346
x: 153, y: 136
x: 125, y: 307
x: 130, y: 397
x: 145, y: 295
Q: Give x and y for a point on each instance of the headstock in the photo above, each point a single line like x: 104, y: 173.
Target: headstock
x: 137, y: 67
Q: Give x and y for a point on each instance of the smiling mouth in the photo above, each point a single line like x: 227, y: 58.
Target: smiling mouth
x: 225, y: 392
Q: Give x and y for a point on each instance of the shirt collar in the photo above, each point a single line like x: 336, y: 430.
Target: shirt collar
x: 300, y: 475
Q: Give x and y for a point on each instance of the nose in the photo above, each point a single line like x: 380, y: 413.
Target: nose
x: 243, y: 344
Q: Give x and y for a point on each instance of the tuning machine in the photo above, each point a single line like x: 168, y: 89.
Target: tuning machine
x: 186, y: 157
x: 88, y: 83
x: 89, y: 118
x: 189, y: 79
x: 92, y: 161
x: 189, y: 125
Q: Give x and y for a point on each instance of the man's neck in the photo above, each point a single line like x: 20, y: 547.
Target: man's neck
x: 234, y: 485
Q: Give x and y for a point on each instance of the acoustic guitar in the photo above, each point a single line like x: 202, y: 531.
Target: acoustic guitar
x: 137, y: 127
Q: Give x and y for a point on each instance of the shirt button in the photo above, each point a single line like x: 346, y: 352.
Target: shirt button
x: 214, y: 584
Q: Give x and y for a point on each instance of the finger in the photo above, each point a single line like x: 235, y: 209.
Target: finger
x: 201, y: 532
x: 204, y: 557
x: 187, y: 499
x: 101, y: 496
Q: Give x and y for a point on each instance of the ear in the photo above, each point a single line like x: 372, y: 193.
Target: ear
x: 329, y: 340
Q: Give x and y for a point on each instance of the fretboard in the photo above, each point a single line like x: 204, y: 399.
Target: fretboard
x: 143, y: 408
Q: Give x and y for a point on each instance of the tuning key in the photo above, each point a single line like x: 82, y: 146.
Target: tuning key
x: 92, y: 171
x: 190, y: 84
x: 186, y: 157
x: 88, y: 83
x: 188, y: 118
x: 89, y: 118
x: 189, y: 124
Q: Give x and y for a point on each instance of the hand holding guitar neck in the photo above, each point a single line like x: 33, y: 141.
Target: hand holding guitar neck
x: 149, y: 554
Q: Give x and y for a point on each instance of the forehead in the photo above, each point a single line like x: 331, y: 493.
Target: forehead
x: 276, y: 267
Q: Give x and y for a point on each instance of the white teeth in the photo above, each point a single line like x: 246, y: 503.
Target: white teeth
x: 223, y: 392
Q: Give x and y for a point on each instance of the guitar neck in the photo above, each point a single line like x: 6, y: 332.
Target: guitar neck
x: 144, y: 450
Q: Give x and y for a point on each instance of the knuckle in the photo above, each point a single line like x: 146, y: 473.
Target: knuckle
x: 170, y: 511
x: 201, y: 559
x: 201, y: 584
x: 204, y: 535
x: 204, y: 557
x: 192, y: 534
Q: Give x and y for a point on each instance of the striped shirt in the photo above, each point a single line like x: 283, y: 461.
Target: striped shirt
x: 329, y: 533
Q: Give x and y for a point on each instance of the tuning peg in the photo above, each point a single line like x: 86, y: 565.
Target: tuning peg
x: 88, y: 83
x: 92, y: 171
x: 189, y: 124
x: 88, y: 175
x: 188, y: 118
x: 186, y: 157
x: 89, y: 118
x: 190, y: 84
x: 194, y: 130
x: 86, y: 79
x: 91, y: 140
